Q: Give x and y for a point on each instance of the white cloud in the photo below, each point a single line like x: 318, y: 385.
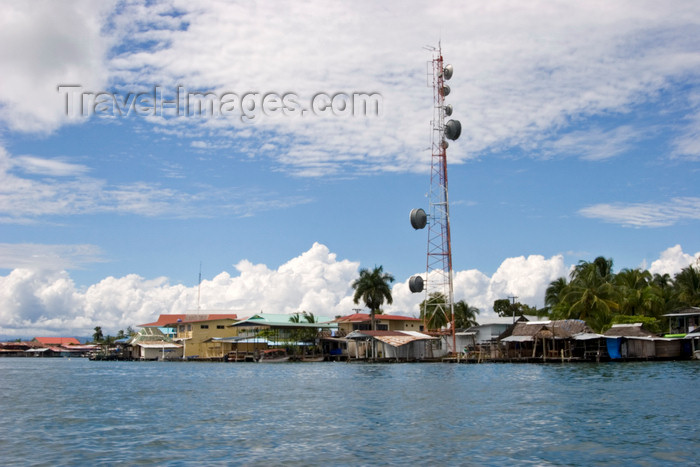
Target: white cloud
x: 34, y: 302
x: 522, y: 70
x: 645, y: 214
x: 44, y: 44
x: 47, y: 257
x: 68, y: 191
x: 672, y: 261
x: 595, y: 144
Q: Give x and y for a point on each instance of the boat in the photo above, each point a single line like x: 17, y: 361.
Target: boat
x: 313, y: 358
x: 273, y: 356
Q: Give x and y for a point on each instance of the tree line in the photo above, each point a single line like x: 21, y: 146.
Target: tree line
x: 593, y: 292
x: 601, y: 298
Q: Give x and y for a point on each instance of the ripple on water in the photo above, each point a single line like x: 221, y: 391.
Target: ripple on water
x: 76, y: 412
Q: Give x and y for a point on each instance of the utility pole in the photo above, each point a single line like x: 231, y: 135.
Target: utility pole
x: 512, y: 299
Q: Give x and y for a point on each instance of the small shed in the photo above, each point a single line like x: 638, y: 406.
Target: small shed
x: 630, y: 341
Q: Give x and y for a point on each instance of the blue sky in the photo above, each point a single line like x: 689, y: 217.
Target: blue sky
x: 580, y: 138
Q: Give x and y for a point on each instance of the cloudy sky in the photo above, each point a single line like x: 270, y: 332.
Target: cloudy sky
x: 581, y: 137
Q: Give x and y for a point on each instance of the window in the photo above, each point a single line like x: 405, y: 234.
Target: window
x: 382, y: 327
x: 203, y: 326
x: 219, y: 326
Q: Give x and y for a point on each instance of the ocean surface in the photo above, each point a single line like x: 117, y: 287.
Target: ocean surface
x: 76, y: 412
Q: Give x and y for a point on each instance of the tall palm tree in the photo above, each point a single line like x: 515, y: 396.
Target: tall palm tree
x: 465, y: 315
x: 664, y: 287
x: 687, y: 284
x: 590, y: 296
x: 372, y: 287
x: 555, y: 292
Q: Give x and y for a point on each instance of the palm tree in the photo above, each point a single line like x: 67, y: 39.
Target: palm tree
x: 664, y: 287
x: 433, y: 311
x: 465, y: 315
x: 309, y: 317
x: 687, y: 284
x: 372, y: 287
x: 97, y: 336
x: 637, y: 296
x: 590, y: 296
x: 555, y: 292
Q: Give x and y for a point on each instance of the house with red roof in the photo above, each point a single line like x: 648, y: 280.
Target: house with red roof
x: 58, y: 347
x: 55, y: 341
x: 362, y: 322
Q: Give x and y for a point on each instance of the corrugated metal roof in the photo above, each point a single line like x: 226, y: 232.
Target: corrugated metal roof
x: 628, y: 330
x: 159, y: 345
x: 174, y: 319
x: 518, y: 339
x: 364, y: 317
x: 393, y: 338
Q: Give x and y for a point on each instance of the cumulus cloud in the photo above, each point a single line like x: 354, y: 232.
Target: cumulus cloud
x: 34, y: 301
x: 672, y: 260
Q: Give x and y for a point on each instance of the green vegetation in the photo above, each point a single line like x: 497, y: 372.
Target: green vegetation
x: 436, y: 314
x: 505, y: 307
x: 372, y: 287
x: 595, y: 294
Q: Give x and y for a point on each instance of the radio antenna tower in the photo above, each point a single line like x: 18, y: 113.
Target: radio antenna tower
x: 438, y: 280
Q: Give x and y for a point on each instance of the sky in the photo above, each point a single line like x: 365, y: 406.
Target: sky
x: 119, y: 181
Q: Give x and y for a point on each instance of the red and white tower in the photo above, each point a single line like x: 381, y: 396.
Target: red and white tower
x: 438, y: 279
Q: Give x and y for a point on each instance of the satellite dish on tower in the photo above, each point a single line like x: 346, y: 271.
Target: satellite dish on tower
x: 453, y: 129
x: 419, y: 218
x: 415, y: 284
x: 445, y: 90
x: 447, y: 72
x: 448, y: 109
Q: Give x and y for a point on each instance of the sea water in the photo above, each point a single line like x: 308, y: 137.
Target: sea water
x: 76, y: 412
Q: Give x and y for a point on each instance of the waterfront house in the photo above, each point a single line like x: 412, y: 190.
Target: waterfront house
x: 15, y: 349
x: 264, y: 330
x: 55, y: 341
x: 196, y: 332
x: 683, y: 321
x: 151, y: 344
x: 634, y: 342
x: 362, y: 322
x: 630, y: 341
x: 488, y: 328
x: 58, y: 347
x: 393, y: 345
x: 550, y: 339
x: 480, y: 342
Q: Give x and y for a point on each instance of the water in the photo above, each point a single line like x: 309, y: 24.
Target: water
x: 78, y: 412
